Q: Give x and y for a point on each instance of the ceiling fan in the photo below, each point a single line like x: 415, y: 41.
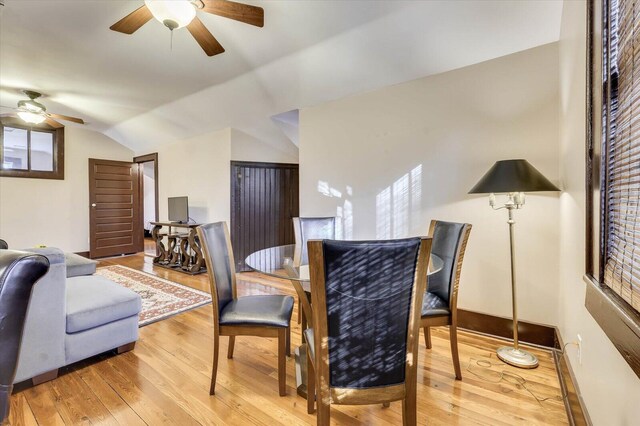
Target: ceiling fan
x: 176, y: 14
x: 34, y: 112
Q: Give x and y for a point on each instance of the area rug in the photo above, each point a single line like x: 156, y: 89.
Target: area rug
x: 160, y: 298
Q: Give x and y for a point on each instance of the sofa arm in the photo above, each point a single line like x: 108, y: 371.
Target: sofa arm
x: 44, y: 332
x: 18, y: 273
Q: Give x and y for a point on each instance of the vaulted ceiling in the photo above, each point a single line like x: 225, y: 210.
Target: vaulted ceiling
x: 141, y: 92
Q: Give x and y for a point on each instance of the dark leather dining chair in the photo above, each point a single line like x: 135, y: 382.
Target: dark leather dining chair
x: 440, y: 305
x: 19, y: 271
x: 263, y: 315
x: 366, y: 313
x: 305, y: 229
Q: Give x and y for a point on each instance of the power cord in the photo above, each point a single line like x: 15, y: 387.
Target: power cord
x: 508, y: 377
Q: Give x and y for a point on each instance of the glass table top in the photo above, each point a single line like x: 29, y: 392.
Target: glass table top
x: 278, y: 262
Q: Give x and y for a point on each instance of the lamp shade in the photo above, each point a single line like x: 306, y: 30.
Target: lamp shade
x: 512, y: 176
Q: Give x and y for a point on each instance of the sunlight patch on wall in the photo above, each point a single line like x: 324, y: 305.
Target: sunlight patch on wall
x: 344, y: 212
x: 398, y: 206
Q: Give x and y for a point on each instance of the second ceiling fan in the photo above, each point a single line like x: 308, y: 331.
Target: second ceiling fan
x: 182, y: 13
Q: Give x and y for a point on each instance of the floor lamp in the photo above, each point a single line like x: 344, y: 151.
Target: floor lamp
x: 514, y: 178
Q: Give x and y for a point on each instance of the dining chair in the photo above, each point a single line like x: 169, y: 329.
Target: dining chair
x: 440, y: 304
x: 261, y: 315
x: 305, y: 229
x: 366, y: 298
x: 19, y: 272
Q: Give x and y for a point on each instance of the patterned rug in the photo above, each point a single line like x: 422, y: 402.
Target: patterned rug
x: 160, y: 298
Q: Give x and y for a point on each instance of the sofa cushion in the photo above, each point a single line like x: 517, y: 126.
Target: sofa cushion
x: 93, y: 301
x: 78, y: 265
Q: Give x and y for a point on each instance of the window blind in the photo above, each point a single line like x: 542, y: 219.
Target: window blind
x: 621, y: 151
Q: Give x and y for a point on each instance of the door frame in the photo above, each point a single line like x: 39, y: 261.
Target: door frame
x: 144, y: 159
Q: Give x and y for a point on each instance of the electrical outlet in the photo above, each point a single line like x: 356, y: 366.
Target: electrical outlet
x: 579, y: 349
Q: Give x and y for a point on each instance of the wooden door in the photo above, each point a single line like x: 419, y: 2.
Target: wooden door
x: 264, y: 199
x: 115, y: 217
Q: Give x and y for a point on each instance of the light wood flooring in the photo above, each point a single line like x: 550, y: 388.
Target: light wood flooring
x: 165, y: 379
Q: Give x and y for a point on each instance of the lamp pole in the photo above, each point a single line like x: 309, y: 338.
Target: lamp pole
x: 513, y: 355
x: 514, y: 304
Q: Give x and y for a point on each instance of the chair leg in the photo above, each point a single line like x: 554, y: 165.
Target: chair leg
x: 453, y: 337
x: 311, y: 385
x: 323, y: 417
x: 386, y: 404
x: 427, y: 337
x: 214, y: 370
x: 289, y: 341
x: 282, y: 362
x: 409, y: 410
x: 232, y: 341
x: 299, y: 311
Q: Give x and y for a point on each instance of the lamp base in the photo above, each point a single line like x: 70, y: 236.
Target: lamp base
x: 517, y: 357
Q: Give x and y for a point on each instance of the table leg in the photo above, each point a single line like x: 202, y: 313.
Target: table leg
x: 184, y: 250
x: 198, y: 264
x: 301, y: 370
x: 161, y: 251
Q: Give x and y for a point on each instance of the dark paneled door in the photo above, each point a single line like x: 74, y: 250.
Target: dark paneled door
x: 264, y: 199
x: 115, y: 216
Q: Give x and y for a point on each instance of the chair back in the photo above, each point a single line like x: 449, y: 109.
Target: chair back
x: 218, y: 256
x: 449, y: 243
x: 18, y: 273
x: 3, y: 245
x: 367, y: 297
x: 311, y: 228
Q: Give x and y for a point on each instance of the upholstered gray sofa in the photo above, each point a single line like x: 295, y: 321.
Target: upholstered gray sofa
x: 74, y: 315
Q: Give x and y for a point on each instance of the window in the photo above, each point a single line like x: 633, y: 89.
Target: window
x: 35, y: 151
x: 613, y: 173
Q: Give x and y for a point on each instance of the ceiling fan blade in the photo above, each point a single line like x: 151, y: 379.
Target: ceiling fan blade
x: 133, y: 21
x: 66, y: 117
x: 53, y: 123
x: 205, y: 39
x: 252, y: 15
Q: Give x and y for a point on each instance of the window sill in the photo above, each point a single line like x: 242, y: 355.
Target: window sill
x: 617, y: 319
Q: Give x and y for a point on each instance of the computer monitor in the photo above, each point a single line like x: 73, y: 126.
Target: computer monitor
x: 179, y: 209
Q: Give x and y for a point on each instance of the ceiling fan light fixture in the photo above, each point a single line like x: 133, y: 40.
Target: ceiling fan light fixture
x: 172, y: 13
x: 32, y: 106
x: 31, y: 117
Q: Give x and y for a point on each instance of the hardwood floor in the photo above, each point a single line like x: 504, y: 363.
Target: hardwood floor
x: 165, y: 379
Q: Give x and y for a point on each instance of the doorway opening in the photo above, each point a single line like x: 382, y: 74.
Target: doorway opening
x: 149, y: 198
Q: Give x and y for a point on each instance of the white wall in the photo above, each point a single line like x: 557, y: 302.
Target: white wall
x: 245, y: 147
x: 418, y: 147
x: 608, y: 385
x: 56, y: 212
x: 199, y: 168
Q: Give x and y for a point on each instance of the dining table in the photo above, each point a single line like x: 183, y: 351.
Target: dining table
x: 284, y: 262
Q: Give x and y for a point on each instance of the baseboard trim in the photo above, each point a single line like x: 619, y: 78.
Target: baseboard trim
x: 573, y: 402
x: 528, y: 332
x: 542, y: 335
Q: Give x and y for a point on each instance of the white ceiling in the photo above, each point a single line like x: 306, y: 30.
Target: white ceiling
x: 141, y: 93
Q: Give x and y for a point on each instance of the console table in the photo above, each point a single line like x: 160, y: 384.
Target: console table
x: 183, y: 252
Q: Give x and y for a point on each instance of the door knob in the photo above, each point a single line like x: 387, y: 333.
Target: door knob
x: 93, y: 204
